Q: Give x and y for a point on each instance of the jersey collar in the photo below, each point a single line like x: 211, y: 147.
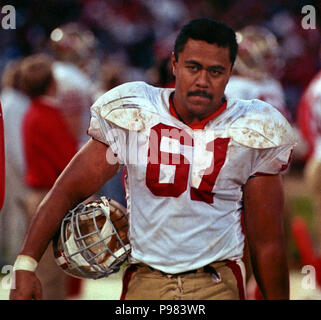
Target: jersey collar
x: 202, y: 123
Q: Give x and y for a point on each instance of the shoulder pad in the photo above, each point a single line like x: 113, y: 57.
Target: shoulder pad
x: 129, y: 106
x: 259, y: 125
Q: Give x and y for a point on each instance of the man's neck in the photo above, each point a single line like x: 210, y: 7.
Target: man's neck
x: 190, y: 119
x: 196, y: 122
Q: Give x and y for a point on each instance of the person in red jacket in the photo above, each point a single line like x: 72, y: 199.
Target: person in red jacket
x: 49, y: 145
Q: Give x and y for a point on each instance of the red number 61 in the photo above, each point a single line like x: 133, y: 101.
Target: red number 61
x: 156, y: 157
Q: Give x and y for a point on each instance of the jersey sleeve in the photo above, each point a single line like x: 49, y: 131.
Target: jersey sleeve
x: 127, y: 108
x: 261, y: 128
x: 258, y: 125
x: 107, y: 133
x: 271, y: 161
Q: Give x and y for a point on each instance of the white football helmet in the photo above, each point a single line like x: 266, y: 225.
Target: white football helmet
x: 76, y: 44
x: 259, y: 54
x: 92, y: 241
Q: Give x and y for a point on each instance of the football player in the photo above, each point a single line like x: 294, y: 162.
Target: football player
x: 257, y: 68
x: 309, y: 123
x: 257, y: 72
x: 194, y: 161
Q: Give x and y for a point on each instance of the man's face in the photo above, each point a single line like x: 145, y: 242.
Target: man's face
x: 202, y: 72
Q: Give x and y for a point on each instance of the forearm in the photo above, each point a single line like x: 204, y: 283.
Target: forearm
x: 270, y: 268
x: 263, y: 204
x: 84, y: 175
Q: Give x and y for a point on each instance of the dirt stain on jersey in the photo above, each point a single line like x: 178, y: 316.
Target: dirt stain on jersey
x: 131, y: 117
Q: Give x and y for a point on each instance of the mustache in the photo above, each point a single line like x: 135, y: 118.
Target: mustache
x: 201, y: 93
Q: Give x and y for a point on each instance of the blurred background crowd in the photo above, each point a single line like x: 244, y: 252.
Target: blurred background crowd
x: 141, y: 32
x: 90, y: 46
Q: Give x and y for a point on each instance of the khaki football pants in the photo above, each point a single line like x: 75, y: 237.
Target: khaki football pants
x: 312, y: 177
x: 218, y: 281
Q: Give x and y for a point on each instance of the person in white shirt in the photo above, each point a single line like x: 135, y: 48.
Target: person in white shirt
x: 13, y: 215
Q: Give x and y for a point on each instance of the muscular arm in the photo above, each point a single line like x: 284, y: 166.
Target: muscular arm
x: 263, y: 204
x: 83, y: 176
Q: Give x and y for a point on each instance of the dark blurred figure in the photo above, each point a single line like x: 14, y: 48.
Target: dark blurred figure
x: 114, y: 72
x: 161, y: 74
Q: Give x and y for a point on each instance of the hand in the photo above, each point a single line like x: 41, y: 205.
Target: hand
x: 26, y: 286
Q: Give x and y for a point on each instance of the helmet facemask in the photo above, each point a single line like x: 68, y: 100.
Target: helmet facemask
x: 92, y: 241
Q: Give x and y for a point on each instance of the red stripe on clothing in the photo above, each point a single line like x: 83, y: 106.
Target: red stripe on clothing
x: 285, y: 166
x: 73, y: 286
x: 126, y: 278
x: 236, y: 269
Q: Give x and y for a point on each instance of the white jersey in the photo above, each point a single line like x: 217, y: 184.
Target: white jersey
x: 14, y: 106
x: 13, y: 217
x: 268, y: 90
x: 185, y: 186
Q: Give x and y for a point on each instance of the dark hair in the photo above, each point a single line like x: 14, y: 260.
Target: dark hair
x: 11, y: 76
x: 36, y: 74
x: 211, y: 31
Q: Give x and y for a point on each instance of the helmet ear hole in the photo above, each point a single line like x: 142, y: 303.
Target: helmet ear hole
x: 92, y: 241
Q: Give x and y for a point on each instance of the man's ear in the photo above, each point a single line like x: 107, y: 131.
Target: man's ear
x: 174, y: 63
